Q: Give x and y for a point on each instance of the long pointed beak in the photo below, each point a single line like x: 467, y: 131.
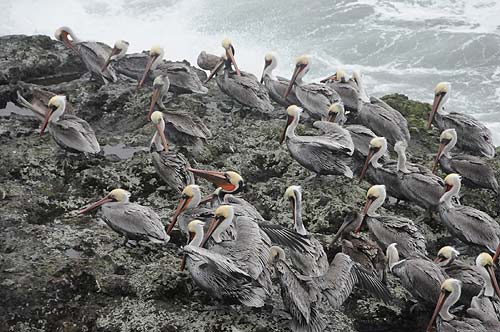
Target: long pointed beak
x: 292, y: 81
x: 493, y: 278
x: 438, y: 259
x: 214, y: 71
x: 45, y: 121
x: 435, y: 105
x: 230, y: 55
x: 69, y: 44
x: 148, y: 67
x: 497, y: 253
x: 339, y: 232
x: 108, y: 60
x: 95, y: 205
x: 283, y: 134
x: 162, y: 136
x: 368, y: 203
x: 206, y: 199
x: 365, y: 165
x: 439, y: 305
x: 213, y: 226
x: 438, y: 156
x: 154, y: 98
x: 216, y: 177
x: 266, y: 64
x: 183, y: 203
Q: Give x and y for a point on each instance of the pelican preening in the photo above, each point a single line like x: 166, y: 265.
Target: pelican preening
x: 314, y: 97
x: 119, y: 51
x: 474, y: 136
x: 135, y: 222
x: 275, y: 84
x: 475, y: 172
x: 69, y: 131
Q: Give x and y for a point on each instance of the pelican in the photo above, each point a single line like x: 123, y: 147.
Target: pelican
x: 219, y: 275
x: 314, y: 97
x: 242, y: 87
x: 347, y: 89
x: 93, y: 54
x: 69, y: 131
x: 419, y: 276
x: 154, y: 59
x: 476, y: 137
x: 182, y: 128
x: 135, y: 222
x: 118, y: 52
x: 230, y: 182
x: 389, y: 229
x: 418, y: 184
x: 207, y: 61
x: 475, y: 172
x: 276, y: 85
x: 486, y: 301
x: 172, y: 167
x: 449, y: 294
x: 315, y: 262
x: 386, y: 173
x: 301, y: 295
x: 320, y: 154
x: 470, y: 225
x: 472, y: 281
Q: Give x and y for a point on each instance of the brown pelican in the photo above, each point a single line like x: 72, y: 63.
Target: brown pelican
x: 472, y: 281
x: 118, y: 52
x: 189, y: 208
x: 93, y: 54
x: 386, y: 173
x: 470, y: 225
x: 418, y: 184
x: 155, y: 57
x: 181, y: 128
x: 302, y: 295
x: 389, y: 229
x: 314, y: 97
x: 135, y: 222
x: 347, y: 89
x: 449, y: 294
x: 219, y: 275
x: 242, y: 87
x: 172, y: 167
x: 320, y: 154
x: 313, y: 263
x: 230, y: 182
x: 476, y: 138
x: 419, y: 276
x: 69, y: 131
x: 486, y: 301
x: 207, y: 61
x: 276, y: 85
x: 475, y: 172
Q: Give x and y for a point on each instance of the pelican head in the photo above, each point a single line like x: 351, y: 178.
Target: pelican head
x: 223, y: 215
x: 195, y: 225
x: 451, y: 290
x: 231, y: 182
x: 293, y: 112
x: 270, y: 63
x: 56, y: 107
x: 486, y: 268
x: 341, y: 75
x: 290, y: 192
x: 190, y: 198
x: 452, y: 180
x: 157, y: 120
x: 161, y: 84
x: 115, y: 195
x: 336, y: 113
x: 63, y: 33
x: 301, y: 68
x: 446, y: 255
x: 155, y: 56
x: 377, y: 147
x: 119, y: 50
x: 447, y: 140
x: 228, y: 46
x: 276, y: 254
x: 375, y: 197
x: 441, y: 95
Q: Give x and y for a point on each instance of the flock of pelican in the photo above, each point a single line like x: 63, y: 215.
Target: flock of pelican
x: 233, y: 254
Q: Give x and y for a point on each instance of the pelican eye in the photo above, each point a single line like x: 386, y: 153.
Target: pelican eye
x: 185, y: 196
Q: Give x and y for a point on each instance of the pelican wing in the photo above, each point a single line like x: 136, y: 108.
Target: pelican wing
x: 475, y: 170
x: 277, y: 88
x: 316, y: 99
x: 183, y: 77
x: 94, y: 55
x: 286, y: 237
x: 184, y: 124
x: 74, y: 133
x: 337, y: 133
x: 172, y: 168
x: 207, y: 61
x: 247, y: 91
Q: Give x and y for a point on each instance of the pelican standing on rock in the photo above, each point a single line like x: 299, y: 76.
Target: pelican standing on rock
x: 314, y: 97
x: 172, y: 167
x: 135, y: 222
x: 320, y: 154
x: 475, y: 172
x: 275, y: 84
x: 69, y: 131
x: 475, y: 137
x: 93, y: 54
x: 471, y: 226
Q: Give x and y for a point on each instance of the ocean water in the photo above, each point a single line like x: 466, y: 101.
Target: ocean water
x: 404, y: 46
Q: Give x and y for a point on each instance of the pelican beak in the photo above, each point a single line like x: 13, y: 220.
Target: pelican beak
x: 438, y: 260
x: 493, y: 278
x: 95, y: 205
x: 114, y: 51
x: 68, y: 42
x: 368, y: 203
x: 230, y: 56
x: 45, y: 122
x: 442, y: 297
x: 497, y: 253
x: 214, y: 71
x: 162, y: 136
x: 220, y: 179
x: 152, y: 59
x: 181, y: 206
x: 329, y: 78
x: 154, y: 98
x: 206, y: 199
x: 213, y: 226
x: 371, y: 152
x: 331, y: 117
x: 340, y: 231
x: 267, y: 63
x: 438, y: 156
x: 288, y: 123
x: 296, y: 72
x: 435, y: 105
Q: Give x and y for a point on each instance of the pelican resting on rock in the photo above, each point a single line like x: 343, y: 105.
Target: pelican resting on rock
x: 207, y: 61
x: 69, y: 131
x: 320, y: 154
x: 347, y: 89
x: 486, y: 301
x: 275, y: 84
x: 118, y: 52
x: 172, y: 167
x: 135, y: 222
x: 475, y: 172
x: 469, y: 225
x: 475, y: 137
